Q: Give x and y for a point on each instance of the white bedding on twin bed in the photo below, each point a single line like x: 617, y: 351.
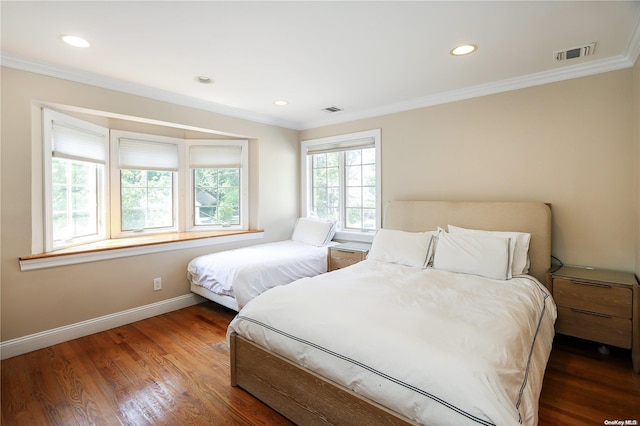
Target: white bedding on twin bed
x: 437, y: 347
x: 246, y: 272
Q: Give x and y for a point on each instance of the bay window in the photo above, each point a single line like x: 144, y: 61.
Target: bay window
x: 101, y: 184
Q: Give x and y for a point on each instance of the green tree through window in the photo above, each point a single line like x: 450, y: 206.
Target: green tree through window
x: 146, y: 199
x: 349, y: 176
x: 217, y: 196
x: 74, y: 198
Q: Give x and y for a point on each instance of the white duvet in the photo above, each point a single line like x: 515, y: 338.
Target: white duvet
x: 246, y: 272
x: 437, y: 347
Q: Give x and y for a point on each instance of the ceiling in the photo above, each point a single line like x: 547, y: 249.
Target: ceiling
x: 367, y: 58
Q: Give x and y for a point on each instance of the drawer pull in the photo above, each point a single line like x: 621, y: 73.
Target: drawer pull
x: 590, y: 283
x: 345, y: 251
x: 597, y: 314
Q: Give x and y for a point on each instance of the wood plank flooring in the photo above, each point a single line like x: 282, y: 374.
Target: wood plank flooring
x: 173, y: 369
x: 583, y: 387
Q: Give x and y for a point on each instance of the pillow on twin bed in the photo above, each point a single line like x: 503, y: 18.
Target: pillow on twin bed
x: 520, y: 254
x: 316, y: 232
x: 401, y: 247
x: 487, y: 256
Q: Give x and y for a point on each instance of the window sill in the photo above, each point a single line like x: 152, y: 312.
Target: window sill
x: 124, y: 247
x: 361, y: 237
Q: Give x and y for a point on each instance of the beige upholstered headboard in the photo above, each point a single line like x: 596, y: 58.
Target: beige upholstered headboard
x: 531, y: 217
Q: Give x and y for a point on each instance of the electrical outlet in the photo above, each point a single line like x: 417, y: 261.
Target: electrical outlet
x: 157, y: 284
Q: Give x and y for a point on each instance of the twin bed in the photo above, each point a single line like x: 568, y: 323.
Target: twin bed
x: 392, y: 341
x: 232, y: 278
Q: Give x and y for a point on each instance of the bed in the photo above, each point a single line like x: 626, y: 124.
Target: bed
x: 387, y: 341
x: 233, y: 277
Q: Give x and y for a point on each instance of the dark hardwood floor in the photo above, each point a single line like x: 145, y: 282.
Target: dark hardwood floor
x: 173, y: 369
x: 583, y: 387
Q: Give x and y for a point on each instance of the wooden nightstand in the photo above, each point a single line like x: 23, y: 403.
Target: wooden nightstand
x: 599, y: 305
x: 347, y: 254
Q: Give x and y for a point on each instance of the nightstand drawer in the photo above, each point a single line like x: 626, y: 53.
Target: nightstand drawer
x: 593, y: 297
x: 340, y: 258
x: 347, y: 254
x: 593, y: 326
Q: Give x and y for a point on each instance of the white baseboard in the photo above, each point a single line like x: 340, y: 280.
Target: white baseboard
x: 32, y: 342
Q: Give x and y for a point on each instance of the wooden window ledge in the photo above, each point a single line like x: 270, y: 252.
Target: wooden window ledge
x: 133, y: 246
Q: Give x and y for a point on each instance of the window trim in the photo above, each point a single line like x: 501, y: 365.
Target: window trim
x: 305, y: 207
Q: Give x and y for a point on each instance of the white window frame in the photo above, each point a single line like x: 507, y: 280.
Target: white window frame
x: 49, y: 117
x: 305, y: 182
x: 114, y: 187
x: 244, y: 184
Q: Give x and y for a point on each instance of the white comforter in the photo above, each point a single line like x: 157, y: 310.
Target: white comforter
x: 246, y: 272
x: 438, y: 347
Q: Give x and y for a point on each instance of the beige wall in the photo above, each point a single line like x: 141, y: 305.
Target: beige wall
x: 575, y: 144
x: 40, y: 300
x: 569, y: 143
x: 636, y: 123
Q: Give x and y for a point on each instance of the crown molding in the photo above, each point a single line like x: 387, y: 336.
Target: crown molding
x: 626, y: 60
x: 633, y: 49
x: 537, y: 79
x: 138, y: 89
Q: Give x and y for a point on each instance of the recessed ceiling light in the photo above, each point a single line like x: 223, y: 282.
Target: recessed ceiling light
x: 203, y: 79
x: 74, y: 41
x: 280, y: 103
x: 464, y: 49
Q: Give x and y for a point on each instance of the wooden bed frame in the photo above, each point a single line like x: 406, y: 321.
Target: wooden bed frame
x: 305, y: 397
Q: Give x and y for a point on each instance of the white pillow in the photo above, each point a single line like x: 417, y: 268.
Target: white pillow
x: 401, y: 247
x: 487, y: 256
x: 316, y: 232
x: 520, y: 262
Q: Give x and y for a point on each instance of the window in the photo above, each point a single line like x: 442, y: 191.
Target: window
x: 75, y: 162
x: 144, y: 183
x: 100, y: 184
x: 218, y: 184
x: 341, y: 181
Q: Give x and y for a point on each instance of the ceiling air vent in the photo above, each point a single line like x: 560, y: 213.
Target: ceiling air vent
x: 332, y: 109
x: 576, y: 52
